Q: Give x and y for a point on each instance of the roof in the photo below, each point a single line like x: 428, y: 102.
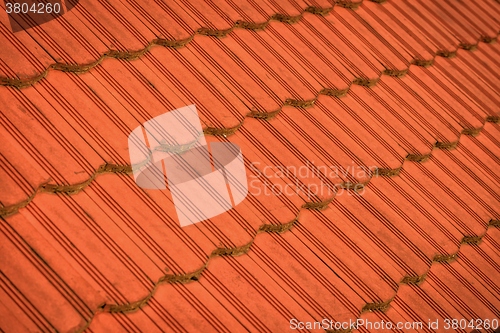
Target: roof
x: 393, y: 103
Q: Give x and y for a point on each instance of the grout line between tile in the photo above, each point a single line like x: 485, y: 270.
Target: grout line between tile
x: 417, y: 280
x: 266, y: 228
x: 127, y: 169
x: 241, y: 250
x: 132, y: 55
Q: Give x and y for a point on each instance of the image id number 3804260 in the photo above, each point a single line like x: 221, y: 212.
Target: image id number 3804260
x: 32, y: 8
x: 472, y: 324
x: 27, y: 14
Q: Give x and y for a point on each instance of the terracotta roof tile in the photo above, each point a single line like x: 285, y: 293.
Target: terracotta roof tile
x: 389, y: 108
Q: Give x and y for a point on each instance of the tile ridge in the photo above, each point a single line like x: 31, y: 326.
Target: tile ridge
x: 46, y: 187
x: 71, y: 189
x: 419, y: 279
x: 204, y: 31
x: 242, y: 250
x: 264, y: 228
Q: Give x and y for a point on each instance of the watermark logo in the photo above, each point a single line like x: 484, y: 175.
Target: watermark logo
x: 309, y: 181
x: 205, y: 180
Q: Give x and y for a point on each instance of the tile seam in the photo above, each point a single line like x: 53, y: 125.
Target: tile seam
x: 127, y: 169
x: 242, y: 250
x: 204, y: 31
x: 417, y: 280
x: 325, y: 91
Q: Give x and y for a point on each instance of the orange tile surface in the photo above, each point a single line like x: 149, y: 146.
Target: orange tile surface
x: 394, y: 105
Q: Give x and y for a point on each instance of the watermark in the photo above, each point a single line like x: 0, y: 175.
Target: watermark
x: 204, y: 180
x: 25, y: 14
x: 208, y: 180
x: 446, y: 324
x: 308, y: 180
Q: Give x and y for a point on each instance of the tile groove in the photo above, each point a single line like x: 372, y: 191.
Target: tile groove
x: 71, y: 189
x: 204, y: 31
x: 266, y: 228
x: 127, y: 169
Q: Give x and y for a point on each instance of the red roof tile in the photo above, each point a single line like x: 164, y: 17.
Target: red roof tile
x: 389, y: 107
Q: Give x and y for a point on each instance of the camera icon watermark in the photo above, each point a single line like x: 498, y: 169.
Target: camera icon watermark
x: 204, y: 180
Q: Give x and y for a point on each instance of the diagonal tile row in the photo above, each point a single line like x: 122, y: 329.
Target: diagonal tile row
x: 81, y: 25
x: 486, y: 169
x: 223, y: 280
x: 316, y: 228
x: 441, y: 138
x: 136, y: 28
